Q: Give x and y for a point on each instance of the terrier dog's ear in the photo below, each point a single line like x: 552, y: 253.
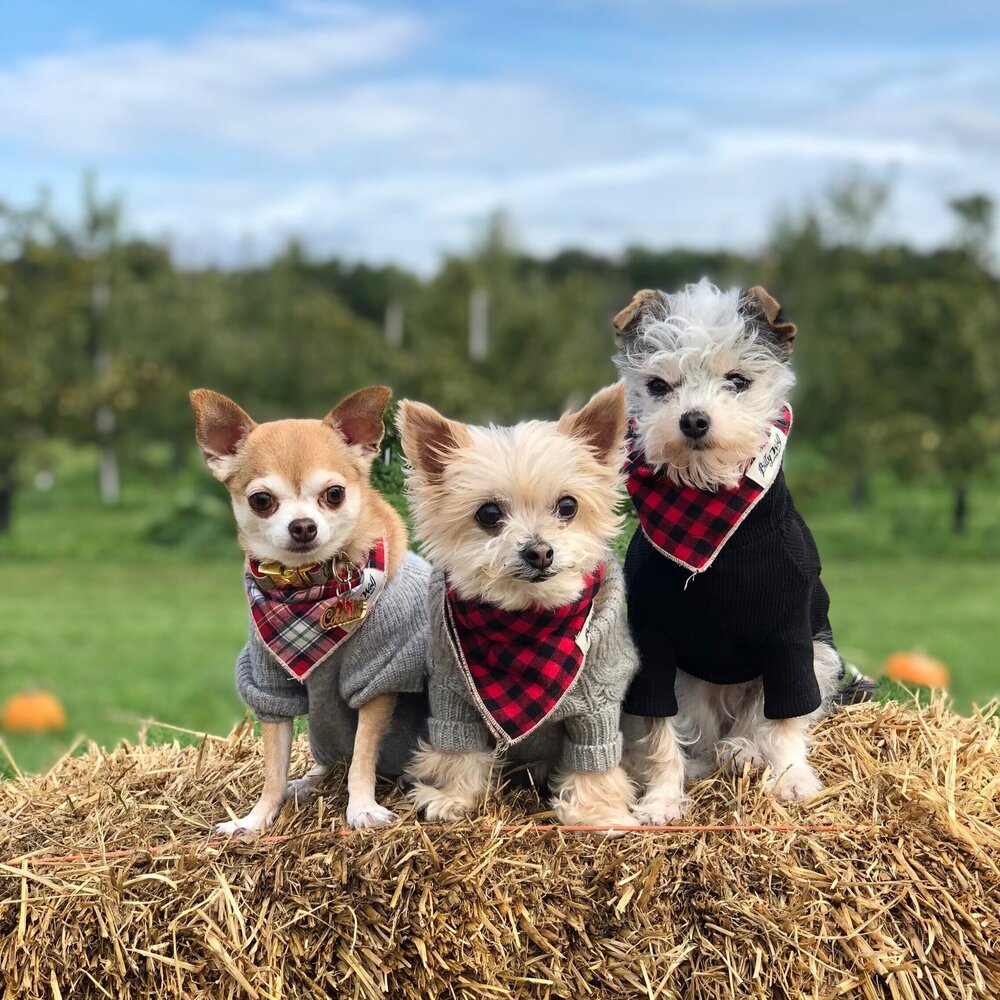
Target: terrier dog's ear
x: 600, y: 424
x: 358, y: 418
x: 220, y: 428
x: 645, y: 304
x: 428, y: 438
x: 759, y: 305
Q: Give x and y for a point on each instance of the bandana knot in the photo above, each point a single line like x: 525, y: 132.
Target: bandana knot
x: 689, y: 525
x: 304, y: 615
x: 520, y: 664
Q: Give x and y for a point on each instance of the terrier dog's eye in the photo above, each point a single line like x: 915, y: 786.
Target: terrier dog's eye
x: 739, y: 382
x: 334, y: 495
x: 489, y: 515
x: 658, y: 388
x: 261, y: 503
x: 566, y: 508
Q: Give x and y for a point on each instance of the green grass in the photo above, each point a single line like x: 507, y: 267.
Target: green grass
x: 124, y: 630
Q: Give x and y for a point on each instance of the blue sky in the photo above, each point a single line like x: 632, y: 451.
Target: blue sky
x: 391, y: 130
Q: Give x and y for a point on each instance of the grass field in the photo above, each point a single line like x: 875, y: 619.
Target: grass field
x: 123, y: 630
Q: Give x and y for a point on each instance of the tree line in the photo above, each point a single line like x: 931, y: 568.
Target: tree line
x: 101, y: 336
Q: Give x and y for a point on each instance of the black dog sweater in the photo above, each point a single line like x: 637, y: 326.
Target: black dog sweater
x: 753, y: 612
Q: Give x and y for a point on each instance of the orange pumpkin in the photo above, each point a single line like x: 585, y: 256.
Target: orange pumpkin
x: 917, y: 668
x: 32, y: 712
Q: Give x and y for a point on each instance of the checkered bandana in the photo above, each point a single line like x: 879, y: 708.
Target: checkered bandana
x: 302, y: 626
x: 520, y: 664
x: 688, y: 525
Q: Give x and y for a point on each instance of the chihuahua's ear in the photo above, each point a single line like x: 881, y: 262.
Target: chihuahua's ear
x: 758, y: 305
x: 220, y: 428
x: 428, y: 438
x: 600, y: 424
x: 647, y: 304
x: 358, y: 418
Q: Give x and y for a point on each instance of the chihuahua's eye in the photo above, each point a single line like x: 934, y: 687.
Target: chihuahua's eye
x: 566, y: 508
x: 658, y: 388
x: 261, y: 503
x: 334, y: 496
x: 739, y: 382
x: 489, y: 515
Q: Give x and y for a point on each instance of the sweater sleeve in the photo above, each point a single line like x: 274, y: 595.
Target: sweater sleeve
x: 652, y: 691
x: 455, y: 724
x: 593, y: 735
x: 789, y: 675
x: 266, y: 687
x: 593, y: 741
x: 389, y: 650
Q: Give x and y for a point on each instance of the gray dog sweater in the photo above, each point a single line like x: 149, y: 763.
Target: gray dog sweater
x: 583, y: 732
x: 386, y: 654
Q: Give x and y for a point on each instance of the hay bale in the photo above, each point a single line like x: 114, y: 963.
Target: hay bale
x: 112, y: 885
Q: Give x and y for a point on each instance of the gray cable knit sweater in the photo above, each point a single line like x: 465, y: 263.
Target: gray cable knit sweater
x: 583, y: 733
x: 387, y: 653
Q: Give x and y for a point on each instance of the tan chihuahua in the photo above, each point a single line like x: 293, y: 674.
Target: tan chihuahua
x: 338, y: 619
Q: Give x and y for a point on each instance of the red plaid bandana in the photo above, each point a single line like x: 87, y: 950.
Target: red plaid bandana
x: 690, y: 525
x: 302, y: 626
x: 520, y: 664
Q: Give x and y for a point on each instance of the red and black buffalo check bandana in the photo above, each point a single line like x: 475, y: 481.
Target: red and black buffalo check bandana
x: 520, y: 664
x: 302, y: 626
x: 688, y: 525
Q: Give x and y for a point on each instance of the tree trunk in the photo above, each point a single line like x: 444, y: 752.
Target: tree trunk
x: 859, y: 491
x: 6, y: 497
x: 960, y: 509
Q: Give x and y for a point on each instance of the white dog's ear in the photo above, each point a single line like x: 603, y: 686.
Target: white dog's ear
x: 428, y: 438
x: 647, y: 304
x: 358, y: 419
x: 220, y: 428
x: 601, y: 424
x: 759, y: 305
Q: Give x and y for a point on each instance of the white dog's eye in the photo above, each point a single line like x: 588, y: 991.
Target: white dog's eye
x: 566, y: 508
x: 658, y: 388
x: 739, y: 382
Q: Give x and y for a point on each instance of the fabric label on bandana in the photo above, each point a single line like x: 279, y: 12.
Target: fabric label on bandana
x: 302, y: 626
x: 519, y: 665
x: 691, y: 526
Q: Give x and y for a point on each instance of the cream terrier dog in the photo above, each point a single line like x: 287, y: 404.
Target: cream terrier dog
x: 528, y: 654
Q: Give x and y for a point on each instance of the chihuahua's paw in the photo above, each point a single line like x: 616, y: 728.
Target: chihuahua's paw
x: 300, y: 791
x: 438, y: 806
x: 249, y: 826
x: 659, y: 810
x: 796, y: 783
x: 368, y: 816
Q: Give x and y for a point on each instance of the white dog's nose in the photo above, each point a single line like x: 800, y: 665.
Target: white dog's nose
x: 694, y: 424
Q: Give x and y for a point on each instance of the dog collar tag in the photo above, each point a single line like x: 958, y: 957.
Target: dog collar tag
x: 345, y: 612
x: 765, y: 465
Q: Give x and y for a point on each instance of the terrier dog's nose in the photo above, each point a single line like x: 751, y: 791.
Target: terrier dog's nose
x: 694, y: 424
x: 537, y: 555
x: 302, y: 530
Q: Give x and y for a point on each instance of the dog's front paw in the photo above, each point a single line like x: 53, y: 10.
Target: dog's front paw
x: 249, y: 826
x: 368, y: 816
x: 796, y: 783
x: 301, y: 790
x: 438, y: 806
x: 659, y: 810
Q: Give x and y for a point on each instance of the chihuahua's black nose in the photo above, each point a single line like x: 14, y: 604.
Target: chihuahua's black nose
x: 537, y: 555
x: 694, y: 424
x: 302, y: 530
